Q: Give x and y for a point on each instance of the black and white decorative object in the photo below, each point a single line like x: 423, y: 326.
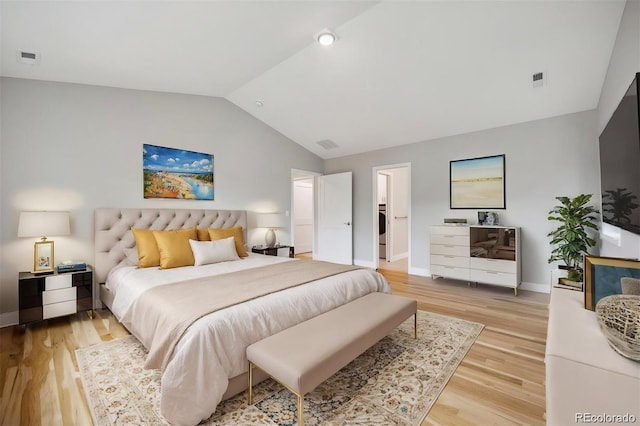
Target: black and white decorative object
x: 487, y: 218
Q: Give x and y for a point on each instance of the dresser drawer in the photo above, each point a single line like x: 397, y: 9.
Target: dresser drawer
x: 496, y: 265
x: 451, y: 240
x: 450, y: 250
x: 450, y: 272
x: 444, y: 260
x: 56, y: 282
x: 61, y: 295
x: 449, y: 230
x: 59, y: 309
x: 490, y: 277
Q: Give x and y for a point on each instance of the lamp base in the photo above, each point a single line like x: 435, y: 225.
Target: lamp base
x: 270, y: 238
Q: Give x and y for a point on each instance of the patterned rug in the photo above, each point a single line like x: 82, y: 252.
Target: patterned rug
x: 393, y: 383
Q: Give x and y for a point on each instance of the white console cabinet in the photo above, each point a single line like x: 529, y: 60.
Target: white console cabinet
x: 480, y: 254
x: 587, y: 381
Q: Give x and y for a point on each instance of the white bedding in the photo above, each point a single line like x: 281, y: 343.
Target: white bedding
x: 213, y: 349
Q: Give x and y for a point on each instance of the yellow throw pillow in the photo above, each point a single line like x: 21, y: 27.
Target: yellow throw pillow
x: 148, y: 253
x: 203, y: 234
x: 174, y: 247
x: 236, y: 233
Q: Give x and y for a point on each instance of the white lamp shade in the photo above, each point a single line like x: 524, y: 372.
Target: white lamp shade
x: 43, y: 224
x: 270, y: 220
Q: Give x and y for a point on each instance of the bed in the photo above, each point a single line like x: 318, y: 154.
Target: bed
x: 208, y: 363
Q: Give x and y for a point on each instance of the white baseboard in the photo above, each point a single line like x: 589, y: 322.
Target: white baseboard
x: 538, y: 288
x: 422, y: 272
x: 9, y: 318
x: 364, y: 263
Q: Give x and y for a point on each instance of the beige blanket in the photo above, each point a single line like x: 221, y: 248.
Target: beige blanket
x: 162, y: 314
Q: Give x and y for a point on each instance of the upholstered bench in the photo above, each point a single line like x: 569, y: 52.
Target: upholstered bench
x: 305, y: 355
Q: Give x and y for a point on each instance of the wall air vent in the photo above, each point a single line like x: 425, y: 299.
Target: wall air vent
x: 28, y: 58
x: 537, y: 80
x: 327, y: 144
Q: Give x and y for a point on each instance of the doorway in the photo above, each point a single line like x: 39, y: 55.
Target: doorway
x: 392, y: 224
x: 303, y: 211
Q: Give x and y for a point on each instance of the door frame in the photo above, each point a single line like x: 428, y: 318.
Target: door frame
x: 374, y: 208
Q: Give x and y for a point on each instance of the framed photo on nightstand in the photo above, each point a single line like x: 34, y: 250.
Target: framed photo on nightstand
x: 43, y: 257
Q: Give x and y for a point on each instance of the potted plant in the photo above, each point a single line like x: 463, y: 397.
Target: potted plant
x: 571, y: 239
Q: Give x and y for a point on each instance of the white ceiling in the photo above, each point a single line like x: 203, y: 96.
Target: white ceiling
x: 401, y: 71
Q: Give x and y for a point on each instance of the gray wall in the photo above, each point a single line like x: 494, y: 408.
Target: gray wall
x: 76, y: 147
x: 624, y: 63
x: 544, y: 159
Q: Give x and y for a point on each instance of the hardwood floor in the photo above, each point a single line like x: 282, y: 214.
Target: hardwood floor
x: 500, y: 381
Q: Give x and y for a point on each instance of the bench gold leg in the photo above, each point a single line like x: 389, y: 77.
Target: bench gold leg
x: 250, y: 383
x: 415, y: 325
x: 300, y: 410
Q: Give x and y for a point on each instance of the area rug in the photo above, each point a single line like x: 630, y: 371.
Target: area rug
x: 395, y: 382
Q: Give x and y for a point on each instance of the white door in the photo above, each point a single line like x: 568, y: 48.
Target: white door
x: 334, y: 231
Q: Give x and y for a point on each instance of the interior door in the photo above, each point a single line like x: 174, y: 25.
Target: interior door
x: 334, y: 230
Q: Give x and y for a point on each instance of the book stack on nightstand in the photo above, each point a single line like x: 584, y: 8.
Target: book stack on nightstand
x: 71, y: 266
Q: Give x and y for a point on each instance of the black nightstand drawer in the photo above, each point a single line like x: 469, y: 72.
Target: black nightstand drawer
x: 272, y: 251
x: 30, y: 292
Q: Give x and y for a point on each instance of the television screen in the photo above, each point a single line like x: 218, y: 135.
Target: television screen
x: 620, y: 163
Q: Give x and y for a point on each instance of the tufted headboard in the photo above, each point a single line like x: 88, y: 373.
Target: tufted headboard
x: 112, y: 229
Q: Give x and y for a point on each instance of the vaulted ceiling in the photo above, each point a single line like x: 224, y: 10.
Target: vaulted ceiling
x: 400, y: 72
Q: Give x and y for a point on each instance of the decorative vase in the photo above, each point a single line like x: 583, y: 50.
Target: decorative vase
x: 270, y: 238
x: 619, y: 319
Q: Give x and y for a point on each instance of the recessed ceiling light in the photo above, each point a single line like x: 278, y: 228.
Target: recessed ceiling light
x: 326, y: 37
x: 259, y: 104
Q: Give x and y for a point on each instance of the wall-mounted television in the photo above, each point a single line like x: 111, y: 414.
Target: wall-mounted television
x: 620, y: 163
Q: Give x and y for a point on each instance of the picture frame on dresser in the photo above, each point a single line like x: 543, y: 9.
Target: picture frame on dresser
x: 477, y: 183
x: 602, y: 277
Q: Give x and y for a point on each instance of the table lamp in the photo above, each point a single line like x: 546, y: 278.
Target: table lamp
x: 270, y: 221
x: 41, y: 224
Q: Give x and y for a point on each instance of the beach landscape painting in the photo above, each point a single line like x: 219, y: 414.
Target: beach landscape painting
x: 177, y: 173
x: 477, y: 183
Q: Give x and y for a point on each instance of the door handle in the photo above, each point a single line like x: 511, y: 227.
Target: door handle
x: 348, y: 223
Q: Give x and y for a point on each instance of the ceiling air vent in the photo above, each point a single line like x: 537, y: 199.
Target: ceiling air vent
x: 537, y: 80
x: 28, y: 58
x: 327, y: 144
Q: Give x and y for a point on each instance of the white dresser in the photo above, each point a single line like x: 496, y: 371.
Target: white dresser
x: 449, y: 251
x: 480, y: 254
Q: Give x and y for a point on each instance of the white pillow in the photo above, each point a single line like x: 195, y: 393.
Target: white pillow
x: 132, y: 256
x: 205, y: 252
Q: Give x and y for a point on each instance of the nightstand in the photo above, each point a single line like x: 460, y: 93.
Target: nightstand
x: 49, y: 296
x: 272, y: 251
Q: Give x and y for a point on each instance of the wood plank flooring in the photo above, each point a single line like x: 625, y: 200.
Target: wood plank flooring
x: 500, y: 381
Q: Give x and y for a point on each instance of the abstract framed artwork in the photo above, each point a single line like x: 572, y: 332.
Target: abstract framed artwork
x: 603, y: 277
x: 477, y: 183
x: 177, y: 173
